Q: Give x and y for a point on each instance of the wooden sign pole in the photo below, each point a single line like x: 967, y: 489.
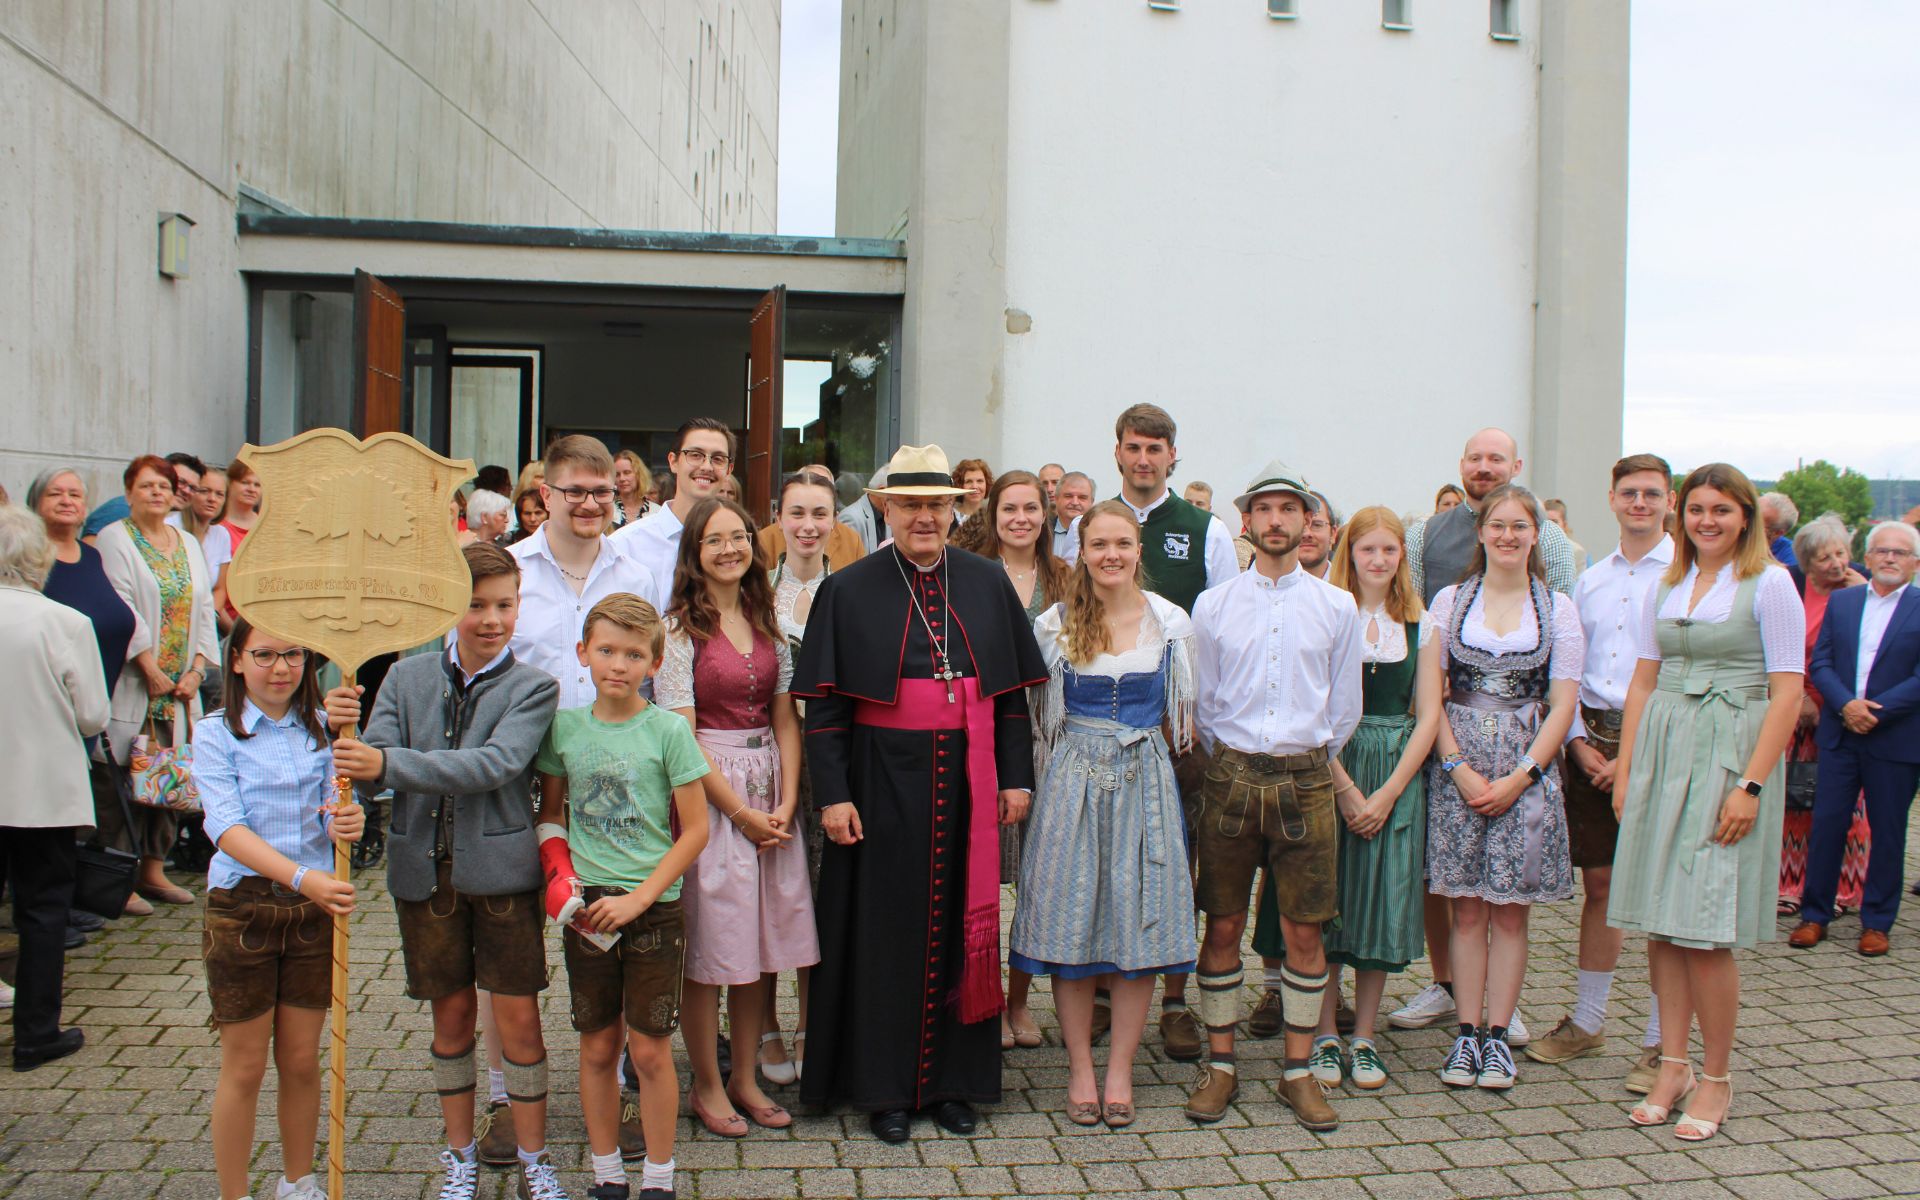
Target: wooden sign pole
x: 354, y: 555
x: 337, y: 1094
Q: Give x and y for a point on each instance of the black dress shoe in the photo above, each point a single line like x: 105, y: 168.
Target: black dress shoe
x: 894, y: 1125
x: 26, y: 1058
x: 955, y: 1116
x: 75, y: 939
x: 85, y: 922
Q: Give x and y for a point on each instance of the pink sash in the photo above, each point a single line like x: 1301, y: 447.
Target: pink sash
x: 924, y: 704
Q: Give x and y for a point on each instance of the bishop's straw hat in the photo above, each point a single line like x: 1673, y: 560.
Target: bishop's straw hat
x: 918, y: 471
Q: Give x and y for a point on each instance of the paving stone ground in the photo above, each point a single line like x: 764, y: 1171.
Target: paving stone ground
x: 1827, y: 1078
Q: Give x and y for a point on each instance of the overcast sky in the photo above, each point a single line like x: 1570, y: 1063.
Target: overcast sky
x: 1774, y: 223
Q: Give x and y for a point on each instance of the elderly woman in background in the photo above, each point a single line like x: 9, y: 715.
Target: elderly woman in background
x: 487, y: 514
x: 631, y: 483
x: 79, y: 580
x: 56, y: 697
x: 1820, y: 549
x: 162, y: 575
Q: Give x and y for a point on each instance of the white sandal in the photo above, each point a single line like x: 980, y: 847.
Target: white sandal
x: 776, y: 1073
x: 1656, y: 1114
x: 1697, y: 1129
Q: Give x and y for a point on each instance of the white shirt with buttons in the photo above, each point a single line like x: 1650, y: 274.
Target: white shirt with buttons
x: 1609, y: 597
x: 1276, y: 665
x: 552, y: 615
x: 1875, y: 616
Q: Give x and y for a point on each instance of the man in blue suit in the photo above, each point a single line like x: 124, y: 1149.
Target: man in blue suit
x: 1866, y: 666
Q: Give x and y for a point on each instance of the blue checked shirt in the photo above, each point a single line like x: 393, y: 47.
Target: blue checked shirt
x: 273, y: 782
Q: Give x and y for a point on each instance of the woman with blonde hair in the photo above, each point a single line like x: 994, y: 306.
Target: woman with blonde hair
x: 1104, y: 886
x: 237, y: 519
x: 1380, y: 791
x: 1713, y: 702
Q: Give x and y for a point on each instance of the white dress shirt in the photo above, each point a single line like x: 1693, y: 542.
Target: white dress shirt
x: 655, y: 541
x: 551, y: 615
x: 1875, y: 615
x: 1276, y: 664
x: 1609, y: 597
x: 1222, y: 565
x: 467, y: 677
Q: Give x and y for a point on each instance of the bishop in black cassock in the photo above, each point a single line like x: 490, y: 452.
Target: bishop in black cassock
x: 915, y: 677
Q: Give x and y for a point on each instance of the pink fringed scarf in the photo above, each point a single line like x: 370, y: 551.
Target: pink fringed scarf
x: 923, y: 704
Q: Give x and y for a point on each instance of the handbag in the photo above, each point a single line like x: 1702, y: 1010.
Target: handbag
x: 163, y: 777
x: 1801, y: 778
x: 103, y: 876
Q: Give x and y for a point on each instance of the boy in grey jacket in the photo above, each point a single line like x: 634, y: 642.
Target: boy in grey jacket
x: 454, y: 735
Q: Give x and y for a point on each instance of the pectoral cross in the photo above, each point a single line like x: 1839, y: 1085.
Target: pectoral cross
x: 945, y: 675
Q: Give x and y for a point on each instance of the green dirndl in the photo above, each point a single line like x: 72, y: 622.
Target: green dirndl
x: 1670, y: 880
x: 1381, y: 879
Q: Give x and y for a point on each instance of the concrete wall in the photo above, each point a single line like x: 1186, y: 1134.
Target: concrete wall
x: 1316, y: 239
x: 1310, y: 239
x: 533, y: 112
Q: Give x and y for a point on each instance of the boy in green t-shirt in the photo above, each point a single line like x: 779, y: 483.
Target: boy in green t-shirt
x: 612, y: 777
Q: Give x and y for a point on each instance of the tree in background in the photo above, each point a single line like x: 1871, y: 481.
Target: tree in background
x: 1820, y: 487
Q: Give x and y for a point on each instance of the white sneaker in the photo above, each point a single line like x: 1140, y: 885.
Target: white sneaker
x: 307, y: 1187
x: 539, y: 1181
x: 1431, y: 1005
x: 6, y: 996
x: 1326, y: 1062
x: 1368, y: 1071
x: 1517, y: 1035
x: 462, y: 1181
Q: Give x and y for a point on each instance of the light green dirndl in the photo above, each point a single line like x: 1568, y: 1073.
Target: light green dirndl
x: 1382, y: 894
x: 1699, y: 727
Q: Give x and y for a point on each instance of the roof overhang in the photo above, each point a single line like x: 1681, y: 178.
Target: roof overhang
x: 274, y: 244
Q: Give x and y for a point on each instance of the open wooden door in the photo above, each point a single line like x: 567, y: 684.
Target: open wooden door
x: 379, y: 357
x: 766, y: 360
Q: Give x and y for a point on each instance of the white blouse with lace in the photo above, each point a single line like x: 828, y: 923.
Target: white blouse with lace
x: 1778, y: 608
x: 1567, y: 656
x: 673, y: 684
x: 786, y: 594
x: 1391, y: 646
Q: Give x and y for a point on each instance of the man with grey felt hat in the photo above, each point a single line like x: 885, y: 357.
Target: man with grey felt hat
x: 1277, y: 684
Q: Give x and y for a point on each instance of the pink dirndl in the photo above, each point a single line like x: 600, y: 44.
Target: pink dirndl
x: 748, y: 913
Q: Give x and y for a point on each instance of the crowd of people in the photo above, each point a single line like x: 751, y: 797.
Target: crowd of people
x: 718, y: 747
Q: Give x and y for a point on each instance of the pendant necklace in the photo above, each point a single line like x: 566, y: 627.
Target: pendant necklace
x: 945, y: 674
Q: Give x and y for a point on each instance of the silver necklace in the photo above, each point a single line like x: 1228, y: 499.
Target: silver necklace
x: 945, y: 674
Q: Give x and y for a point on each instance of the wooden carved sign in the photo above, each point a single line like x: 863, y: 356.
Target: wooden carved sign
x: 354, y: 554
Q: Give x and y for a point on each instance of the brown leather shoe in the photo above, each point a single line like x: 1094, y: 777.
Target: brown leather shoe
x: 1180, y: 1035
x: 1806, y: 935
x: 498, y: 1145
x: 1265, y: 1020
x: 1214, y: 1089
x: 1102, y: 1021
x: 1308, y: 1102
x: 1873, y: 943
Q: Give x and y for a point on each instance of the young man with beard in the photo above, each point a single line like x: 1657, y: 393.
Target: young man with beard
x: 701, y: 458
x: 1277, y: 659
x: 1184, y: 551
x: 1439, y: 550
x: 1609, y: 596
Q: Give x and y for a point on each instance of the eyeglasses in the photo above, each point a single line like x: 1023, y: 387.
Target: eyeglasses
x: 1502, y: 528
x: 1650, y: 495
x: 296, y: 657
x: 1894, y: 552
x: 580, y: 495
x: 188, y: 489
x: 737, y: 538
x: 696, y: 456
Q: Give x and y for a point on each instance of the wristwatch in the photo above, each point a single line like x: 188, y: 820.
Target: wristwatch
x: 1531, y: 767
x: 1750, y: 786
